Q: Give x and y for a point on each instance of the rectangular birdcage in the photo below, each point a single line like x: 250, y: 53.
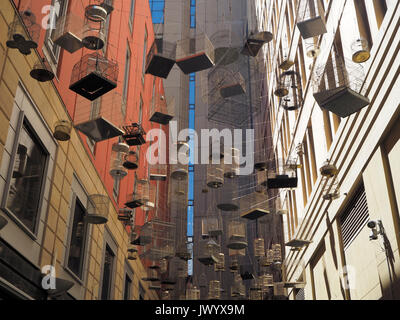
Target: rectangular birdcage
x: 194, y: 55
x: 161, y: 58
x: 162, y: 108
x: 93, y: 76
x: 237, y: 238
x: 208, y: 252
x: 211, y: 227
x: 68, y: 33
x: 254, y: 206
x: 233, y: 111
x: 162, y: 240
x: 134, y: 134
x: 339, y: 87
x: 101, y: 119
x: 141, y: 195
x: 311, y: 18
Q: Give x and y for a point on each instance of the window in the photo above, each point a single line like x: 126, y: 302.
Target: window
x: 192, y: 13
x: 157, y: 10
x: 140, y: 110
x: 128, y: 288
x: 58, y: 11
x: 144, y: 54
x: 131, y: 14
x: 141, y: 292
x: 77, y: 240
x: 28, y: 172
x: 116, y: 189
x: 108, y: 269
x: 126, y: 76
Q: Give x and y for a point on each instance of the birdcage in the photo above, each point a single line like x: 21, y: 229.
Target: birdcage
x: 152, y: 275
x: 24, y: 32
x: 254, y: 206
x: 277, y: 251
x: 161, y: 109
x: 179, y: 171
x: 150, y: 202
x: 118, y: 153
x: 283, y: 85
x: 161, y: 240
x: 132, y: 252
x: 163, y: 265
x: 93, y: 36
x: 98, y: 208
x: 134, y: 134
x: 193, y: 293
x: 140, y: 196
x: 255, y: 293
x: 42, y: 71
x: 259, y: 249
x: 68, y: 33
x: 228, y: 197
x: 247, y: 272
x: 125, y: 215
x: 237, y: 235
x: 330, y: 182
x: 234, y: 264
x: 219, y: 266
x: 279, y: 290
x: 182, y: 269
x: 98, y: 10
x: 361, y: 50
x: 227, y: 44
x: 232, y: 163
x: 131, y: 160
x: 93, y: 76
x: 284, y: 177
x: 100, y: 119
x: 208, y: 252
x: 255, y: 42
x: 215, y: 175
x: 62, y: 130
x: 166, y: 295
x: 211, y: 227
x: 312, y: 47
x: 261, y: 176
x: 158, y: 172
x: 214, y: 290
x: 238, y: 290
x: 266, y: 281
x: 290, y: 90
x: 231, y: 86
x: 311, y: 18
x: 339, y: 87
x: 161, y: 58
x: 194, y: 55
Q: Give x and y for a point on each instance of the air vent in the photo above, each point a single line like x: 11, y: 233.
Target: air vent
x: 354, y: 217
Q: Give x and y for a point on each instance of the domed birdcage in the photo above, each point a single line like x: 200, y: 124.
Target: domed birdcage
x: 24, y: 32
x: 215, y: 175
x: 259, y: 248
x: 161, y: 58
x: 68, y: 33
x: 237, y: 239
x: 312, y: 47
x: 219, y: 266
x: 131, y: 160
x: 42, y: 71
x: 311, y: 18
x: 214, y: 290
x: 208, y: 251
x: 194, y: 55
x: 289, y: 90
x: 98, y: 209
x: 232, y: 163
x: 118, y: 153
x: 339, y: 87
x: 62, y: 130
x: 360, y: 50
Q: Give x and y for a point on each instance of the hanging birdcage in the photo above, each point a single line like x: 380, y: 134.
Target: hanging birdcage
x: 255, y: 292
x: 98, y: 209
x: 279, y: 290
x: 131, y: 160
x: 125, y: 215
x: 211, y: 227
x: 134, y: 134
x: 42, y: 71
x: 289, y: 89
x: 208, y: 252
x: 285, y: 176
x: 98, y: 10
x: 229, y: 200
x: 277, y: 253
x: 266, y: 281
x: 163, y: 265
x: 215, y: 175
x: 161, y: 242
x: 152, y: 275
x: 214, y: 290
x: 100, y: 119
x: 255, y: 42
x: 312, y: 47
x: 93, y: 36
x: 150, y: 202
x: 118, y: 153
x: 182, y: 250
x: 24, y: 32
x: 237, y: 235
x: 330, y: 182
x: 140, y: 196
x: 259, y: 249
x: 182, y: 269
x: 158, y: 172
x: 361, y: 51
x: 311, y: 18
x: 193, y: 293
x: 161, y: 58
x: 68, y: 33
x: 238, y: 290
x: 62, y: 130
x: 179, y: 171
x: 165, y: 295
x: 234, y: 263
x: 194, y: 55
x: 132, y: 252
x: 254, y: 206
x: 93, y: 76
x: 219, y: 266
x: 231, y: 84
x: 227, y: 45
x: 161, y: 109
x: 339, y: 87
x: 232, y: 170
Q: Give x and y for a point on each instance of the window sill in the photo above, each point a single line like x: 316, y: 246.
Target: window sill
x: 20, y: 224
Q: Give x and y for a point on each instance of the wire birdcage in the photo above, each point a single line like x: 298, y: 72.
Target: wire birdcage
x: 193, y: 293
x: 234, y: 264
x: 194, y: 55
x: 125, y: 215
x: 259, y: 248
x: 266, y: 281
x: 255, y: 42
x: 161, y: 58
x: 68, y: 33
x: 131, y: 160
x: 227, y: 44
x: 93, y: 76
x: 164, y: 265
x: 219, y: 266
x: 228, y: 197
x: 211, y: 227
x: 339, y: 87
x: 254, y: 206
x: 311, y: 18
x: 279, y: 290
x: 98, y: 209
x: 42, y: 71
x: 118, y: 152
x: 179, y: 171
x: 162, y: 108
x: 232, y: 163
x: 24, y: 32
x: 132, y: 252
x: 214, y: 290
x: 161, y: 240
x: 277, y: 253
x: 237, y: 239
x: 215, y: 175
x: 284, y: 176
x: 208, y: 251
x: 238, y: 289
x: 361, y: 50
x: 139, y: 197
x: 134, y: 134
x: 330, y: 182
x: 62, y: 130
x: 150, y: 202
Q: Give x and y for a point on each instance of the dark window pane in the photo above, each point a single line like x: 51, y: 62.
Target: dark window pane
x: 127, y: 291
x: 78, y: 240
x: 27, y: 178
x: 107, y: 274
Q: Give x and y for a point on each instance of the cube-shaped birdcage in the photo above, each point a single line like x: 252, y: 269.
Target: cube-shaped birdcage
x: 211, y: 227
x: 118, y: 152
x: 139, y: 197
x: 311, y: 18
x: 208, y: 251
x: 62, y: 130
x: 237, y: 239
x: 194, y: 55
x: 134, y: 134
x: 254, y: 206
x: 232, y: 163
x: 100, y: 119
x: 68, y: 33
x: 214, y: 290
x: 193, y: 293
x: 215, y: 175
x: 339, y: 87
x: 227, y: 45
x: 161, y: 109
x: 255, y: 42
x: 284, y: 177
x: 93, y: 76
x: 259, y: 247
x: 131, y: 160
x: 98, y: 209
x: 24, y: 32
x: 161, y: 58
x: 158, y: 172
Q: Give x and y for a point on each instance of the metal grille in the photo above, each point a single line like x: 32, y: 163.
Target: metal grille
x: 354, y: 218
x: 300, y: 294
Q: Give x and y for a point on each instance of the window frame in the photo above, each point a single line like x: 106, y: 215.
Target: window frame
x: 109, y: 242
